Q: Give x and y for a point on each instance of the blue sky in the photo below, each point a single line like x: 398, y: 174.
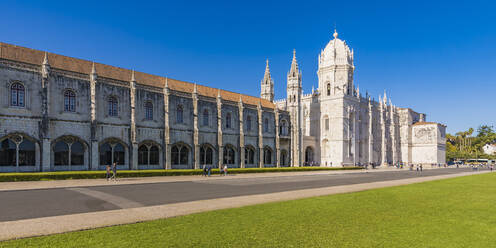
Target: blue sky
x: 437, y: 57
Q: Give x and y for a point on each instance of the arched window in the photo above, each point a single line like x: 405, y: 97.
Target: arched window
x: 148, y: 110
x: 179, y: 154
x: 229, y: 155
x: 266, y: 125
x: 148, y: 155
x: 328, y: 89
x: 17, y: 94
x: 284, y: 158
x: 113, y: 106
x: 143, y: 155
x: 119, y: 154
x: 26, y: 153
x: 267, y: 156
x: 61, y: 152
x: 294, y: 98
x: 206, y: 155
x: 69, y: 101
x: 179, y: 114
x: 8, y: 153
x: 77, y: 153
x: 283, y: 128
x: 228, y: 120
x: 154, y: 155
x: 105, y: 154
x: 205, y: 117
x: 249, y: 155
x: 326, y: 123
x: 248, y: 123
x: 112, y: 152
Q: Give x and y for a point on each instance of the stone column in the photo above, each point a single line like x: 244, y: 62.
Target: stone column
x: 133, y: 161
x: 45, y: 121
x: 260, y: 137
x: 393, y: 135
x: 195, y: 129
x: 371, y: 136
x: 278, y: 149
x: 167, y: 146
x: 241, y: 134
x: 94, y: 154
x: 383, y: 134
x: 219, y: 129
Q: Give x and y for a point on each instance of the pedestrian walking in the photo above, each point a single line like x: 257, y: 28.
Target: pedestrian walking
x: 209, y: 169
x: 225, y: 170
x: 107, y: 176
x: 221, y: 170
x: 491, y: 168
x: 421, y: 168
x: 114, y: 171
x: 205, y: 170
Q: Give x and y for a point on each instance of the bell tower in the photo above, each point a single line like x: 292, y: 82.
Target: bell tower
x: 294, y: 94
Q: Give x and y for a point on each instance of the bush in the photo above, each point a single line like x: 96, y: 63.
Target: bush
x: 64, y: 175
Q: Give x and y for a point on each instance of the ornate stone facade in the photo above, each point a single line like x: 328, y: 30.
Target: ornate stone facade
x: 335, y: 125
x: 60, y: 113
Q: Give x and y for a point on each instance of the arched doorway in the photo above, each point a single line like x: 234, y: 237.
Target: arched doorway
x: 309, y: 155
x: 283, y: 160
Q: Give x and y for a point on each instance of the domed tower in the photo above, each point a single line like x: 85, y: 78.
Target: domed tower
x: 336, y: 69
x: 337, y: 115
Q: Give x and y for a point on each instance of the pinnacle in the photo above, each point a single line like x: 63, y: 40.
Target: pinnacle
x: 45, y: 59
x: 133, y: 78
x: 93, y: 70
x: 294, y: 65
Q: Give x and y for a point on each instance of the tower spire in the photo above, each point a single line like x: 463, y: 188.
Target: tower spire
x: 267, y: 84
x: 294, y: 71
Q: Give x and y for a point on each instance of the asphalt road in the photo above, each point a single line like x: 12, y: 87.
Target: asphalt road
x: 27, y: 204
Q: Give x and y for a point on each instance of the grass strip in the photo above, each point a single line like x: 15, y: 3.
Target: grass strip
x: 455, y: 212
x: 64, y: 175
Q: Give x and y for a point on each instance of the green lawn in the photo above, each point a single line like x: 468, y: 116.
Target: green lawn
x: 448, y: 213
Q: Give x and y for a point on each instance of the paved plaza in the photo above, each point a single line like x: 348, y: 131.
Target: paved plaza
x: 39, y: 208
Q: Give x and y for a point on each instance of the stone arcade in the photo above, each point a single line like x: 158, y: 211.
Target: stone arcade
x: 60, y: 113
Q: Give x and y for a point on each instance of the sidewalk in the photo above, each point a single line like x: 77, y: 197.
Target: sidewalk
x: 29, y: 185
x: 75, y: 222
